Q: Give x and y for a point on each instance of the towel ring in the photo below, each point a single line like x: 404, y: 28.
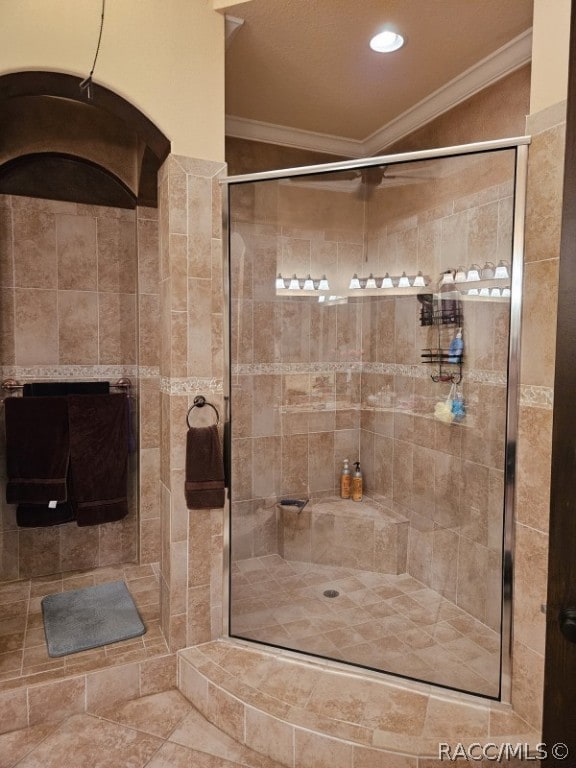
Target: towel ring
x: 199, y: 402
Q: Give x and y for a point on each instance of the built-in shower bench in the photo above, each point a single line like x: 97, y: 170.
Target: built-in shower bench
x: 333, y: 531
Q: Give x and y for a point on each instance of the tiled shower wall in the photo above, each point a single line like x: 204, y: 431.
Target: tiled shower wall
x: 347, y: 380
x: 446, y: 479
x: 71, y: 279
x: 295, y: 388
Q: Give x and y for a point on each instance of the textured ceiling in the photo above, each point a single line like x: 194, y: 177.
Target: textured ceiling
x: 306, y: 64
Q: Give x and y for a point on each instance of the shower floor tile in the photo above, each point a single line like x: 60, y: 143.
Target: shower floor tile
x: 391, y: 623
x: 23, y: 650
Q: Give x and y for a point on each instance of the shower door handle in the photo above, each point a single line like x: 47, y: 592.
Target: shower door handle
x: 567, y: 621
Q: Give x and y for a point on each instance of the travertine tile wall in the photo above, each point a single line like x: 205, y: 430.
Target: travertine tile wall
x: 446, y: 479
x: 295, y: 387
x: 69, y: 278
x: 543, y: 222
x: 191, y: 363
x: 69, y: 273
x: 149, y: 383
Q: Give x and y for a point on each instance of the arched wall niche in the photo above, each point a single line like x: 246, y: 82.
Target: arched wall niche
x: 56, y: 143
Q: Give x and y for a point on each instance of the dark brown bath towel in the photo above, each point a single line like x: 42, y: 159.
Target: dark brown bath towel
x: 204, y: 481
x: 98, y: 457
x: 52, y: 388
x: 43, y: 516
x: 37, y: 449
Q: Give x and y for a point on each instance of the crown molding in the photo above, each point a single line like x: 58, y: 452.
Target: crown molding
x: 502, y: 62
x: 269, y: 133
x: 222, y: 5
x: 231, y: 25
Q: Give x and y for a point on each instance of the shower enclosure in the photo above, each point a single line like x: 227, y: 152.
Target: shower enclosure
x: 350, y: 287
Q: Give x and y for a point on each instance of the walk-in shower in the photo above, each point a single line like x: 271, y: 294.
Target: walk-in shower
x: 374, y: 311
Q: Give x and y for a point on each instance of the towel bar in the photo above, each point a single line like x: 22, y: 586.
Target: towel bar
x: 9, y: 385
x: 199, y: 402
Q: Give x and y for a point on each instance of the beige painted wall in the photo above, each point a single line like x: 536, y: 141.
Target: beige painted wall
x: 166, y: 58
x: 550, y: 46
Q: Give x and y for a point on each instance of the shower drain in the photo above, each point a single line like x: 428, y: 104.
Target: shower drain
x: 331, y: 593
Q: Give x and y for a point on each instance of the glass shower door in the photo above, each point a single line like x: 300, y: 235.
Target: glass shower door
x: 370, y: 321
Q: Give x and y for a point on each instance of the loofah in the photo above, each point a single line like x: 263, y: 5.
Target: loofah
x: 443, y: 412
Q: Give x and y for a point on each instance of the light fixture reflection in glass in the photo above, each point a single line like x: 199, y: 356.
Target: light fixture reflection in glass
x: 484, y: 291
x: 501, y: 271
x: 487, y: 271
x: 506, y: 293
x: 419, y: 281
x: 473, y: 292
x: 371, y: 283
x: 473, y: 273
x: 404, y: 282
x: 354, y: 283
x: 460, y: 276
x: 495, y: 292
x: 308, y: 284
x: 323, y: 284
x: 294, y: 284
x: 280, y: 282
x: 387, y: 281
x: 447, y: 277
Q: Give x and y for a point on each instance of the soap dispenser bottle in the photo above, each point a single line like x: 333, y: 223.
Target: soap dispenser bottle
x: 345, y: 480
x: 357, y: 482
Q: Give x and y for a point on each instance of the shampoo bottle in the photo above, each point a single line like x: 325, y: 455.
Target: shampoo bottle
x: 456, y: 348
x: 345, y: 480
x: 357, y: 483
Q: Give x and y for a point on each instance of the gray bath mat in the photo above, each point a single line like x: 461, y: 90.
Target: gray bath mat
x: 88, y: 618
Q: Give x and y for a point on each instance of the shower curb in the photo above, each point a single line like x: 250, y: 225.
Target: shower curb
x: 229, y: 684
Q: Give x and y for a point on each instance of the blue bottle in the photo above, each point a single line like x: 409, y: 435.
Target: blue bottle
x: 458, y: 408
x: 456, y: 348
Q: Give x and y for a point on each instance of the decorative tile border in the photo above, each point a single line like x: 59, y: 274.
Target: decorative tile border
x: 25, y: 373
x: 477, y: 376
x: 148, y: 372
x: 255, y: 369
x: 65, y: 372
x: 190, y: 386
x: 539, y: 397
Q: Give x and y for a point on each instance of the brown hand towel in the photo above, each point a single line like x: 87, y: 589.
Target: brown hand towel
x: 204, y: 481
x: 98, y: 457
x: 37, y: 449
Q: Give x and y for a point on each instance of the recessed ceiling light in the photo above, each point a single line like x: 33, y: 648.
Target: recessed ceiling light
x: 386, y: 42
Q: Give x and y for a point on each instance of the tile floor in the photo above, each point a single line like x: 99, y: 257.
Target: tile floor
x: 23, y: 651
x: 159, y: 731
x: 387, y: 622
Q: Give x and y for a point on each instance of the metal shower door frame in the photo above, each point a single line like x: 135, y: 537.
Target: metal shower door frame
x: 520, y: 145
